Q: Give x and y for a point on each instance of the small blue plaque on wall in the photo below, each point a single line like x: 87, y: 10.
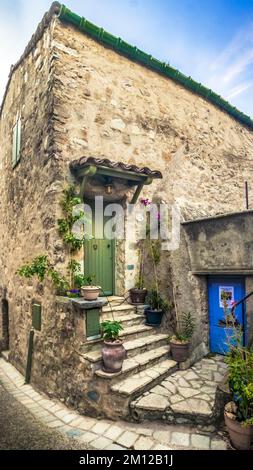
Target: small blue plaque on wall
x: 130, y: 267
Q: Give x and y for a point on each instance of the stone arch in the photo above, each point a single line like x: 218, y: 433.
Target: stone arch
x: 5, y: 324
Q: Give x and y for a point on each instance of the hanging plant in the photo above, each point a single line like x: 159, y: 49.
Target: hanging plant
x: 41, y: 268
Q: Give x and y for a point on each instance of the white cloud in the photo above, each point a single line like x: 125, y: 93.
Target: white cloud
x: 239, y: 66
x: 237, y: 90
x: 231, y: 74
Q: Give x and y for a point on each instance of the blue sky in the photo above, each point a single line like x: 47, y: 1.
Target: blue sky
x: 210, y: 40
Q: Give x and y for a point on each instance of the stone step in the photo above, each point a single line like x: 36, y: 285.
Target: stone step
x: 142, y: 381
x: 186, y: 397
x: 128, y: 319
x: 130, y: 332
x: 5, y: 355
x: 119, y: 309
x: 133, y: 347
x: 115, y: 299
x: 136, y: 364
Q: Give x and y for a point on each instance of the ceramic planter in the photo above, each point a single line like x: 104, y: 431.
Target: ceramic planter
x: 153, y: 317
x: 113, y: 355
x: 138, y: 296
x: 240, y: 436
x: 179, y: 351
x: 90, y: 292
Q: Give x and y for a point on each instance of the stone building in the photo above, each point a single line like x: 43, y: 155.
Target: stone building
x: 77, y: 99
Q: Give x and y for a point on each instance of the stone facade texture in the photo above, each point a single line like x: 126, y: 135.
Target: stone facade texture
x: 78, y: 98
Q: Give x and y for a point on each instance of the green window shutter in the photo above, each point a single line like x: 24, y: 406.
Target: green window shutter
x: 92, y: 323
x: 14, y: 145
x: 18, y: 140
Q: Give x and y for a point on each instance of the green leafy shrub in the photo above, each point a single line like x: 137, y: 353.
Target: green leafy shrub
x: 38, y: 267
x: 185, y: 328
x: 156, y: 302
x: 41, y: 268
x: 111, y: 329
x: 81, y: 280
x: 240, y: 381
x: 78, y: 280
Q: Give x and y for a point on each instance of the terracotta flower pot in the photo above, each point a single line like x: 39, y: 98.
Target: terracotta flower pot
x: 113, y: 355
x: 179, y: 351
x: 138, y: 296
x: 90, y: 292
x: 240, y: 436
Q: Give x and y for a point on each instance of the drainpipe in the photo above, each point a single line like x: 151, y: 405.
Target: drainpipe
x: 29, y: 357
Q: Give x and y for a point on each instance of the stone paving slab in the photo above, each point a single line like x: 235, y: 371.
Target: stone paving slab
x: 138, y: 381
x: 103, y: 433
x: 129, y: 318
x: 187, y: 393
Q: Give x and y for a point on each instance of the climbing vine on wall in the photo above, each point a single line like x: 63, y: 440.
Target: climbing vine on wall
x: 65, y: 225
x: 42, y: 268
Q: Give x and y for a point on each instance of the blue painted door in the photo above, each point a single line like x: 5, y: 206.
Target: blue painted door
x: 219, y: 289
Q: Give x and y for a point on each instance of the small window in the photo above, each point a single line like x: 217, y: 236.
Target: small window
x: 16, y: 142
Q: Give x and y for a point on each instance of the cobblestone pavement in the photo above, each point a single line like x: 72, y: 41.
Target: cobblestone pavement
x: 20, y: 430
x: 187, y: 393
x: 89, y: 432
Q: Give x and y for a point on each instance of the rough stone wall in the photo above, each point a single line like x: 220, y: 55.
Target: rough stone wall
x: 221, y: 244
x: 126, y: 112
x: 60, y: 370
x: 29, y: 209
x: 29, y: 192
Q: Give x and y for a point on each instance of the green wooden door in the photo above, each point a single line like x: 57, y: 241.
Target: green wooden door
x: 99, y: 261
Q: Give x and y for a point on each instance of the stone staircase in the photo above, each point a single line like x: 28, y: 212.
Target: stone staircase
x: 191, y: 396
x: 148, y: 361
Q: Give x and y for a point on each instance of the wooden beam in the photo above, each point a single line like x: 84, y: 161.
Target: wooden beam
x: 88, y: 173
x: 139, y: 188
x: 137, y: 193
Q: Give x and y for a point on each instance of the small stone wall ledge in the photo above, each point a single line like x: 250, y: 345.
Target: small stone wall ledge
x: 81, y: 303
x: 222, y: 271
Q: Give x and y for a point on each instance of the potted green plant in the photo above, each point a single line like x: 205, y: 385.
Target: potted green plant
x: 238, y: 414
x: 90, y: 292
x: 138, y: 294
x: 113, y: 351
x: 87, y: 289
x: 156, y: 309
x: 81, y: 284
x: 180, y: 341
